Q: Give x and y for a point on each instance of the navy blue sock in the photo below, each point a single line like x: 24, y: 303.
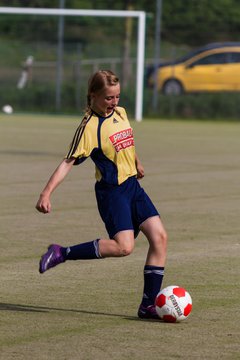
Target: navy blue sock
x: 84, y: 251
x: 153, y: 276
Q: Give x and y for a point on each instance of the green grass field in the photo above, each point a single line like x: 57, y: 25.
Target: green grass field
x: 87, y: 310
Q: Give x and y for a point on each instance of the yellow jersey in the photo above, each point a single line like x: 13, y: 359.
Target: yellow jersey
x: 110, y: 144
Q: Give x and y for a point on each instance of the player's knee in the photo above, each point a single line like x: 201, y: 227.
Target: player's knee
x: 160, y: 241
x: 126, y: 249
x: 164, y: 240
x: 164, y: 237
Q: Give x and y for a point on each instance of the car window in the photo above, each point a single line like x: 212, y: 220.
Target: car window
x: 234, y: 57
x: 220, y: 58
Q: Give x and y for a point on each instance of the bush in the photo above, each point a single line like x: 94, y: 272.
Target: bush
x: 42, y: 98
x: 198, y: 106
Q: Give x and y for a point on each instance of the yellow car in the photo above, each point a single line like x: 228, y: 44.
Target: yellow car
x: 214, y: 67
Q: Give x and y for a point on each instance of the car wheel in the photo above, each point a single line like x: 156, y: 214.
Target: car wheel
x: 172, y: 87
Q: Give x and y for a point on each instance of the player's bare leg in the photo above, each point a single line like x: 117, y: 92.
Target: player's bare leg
x: 156, y: 234
x: 121, y: 245
x: 154, y: 230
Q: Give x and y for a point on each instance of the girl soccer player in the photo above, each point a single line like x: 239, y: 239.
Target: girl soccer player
x: 106, y: 136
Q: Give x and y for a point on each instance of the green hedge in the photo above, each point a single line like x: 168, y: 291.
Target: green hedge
x: 199, y: 106
x: 41, y: 98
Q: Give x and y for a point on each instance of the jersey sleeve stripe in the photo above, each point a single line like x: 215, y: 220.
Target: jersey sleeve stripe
x: 77, y: 137
x: 74, y: 143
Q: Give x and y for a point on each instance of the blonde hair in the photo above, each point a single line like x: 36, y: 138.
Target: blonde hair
x: 97, y: 83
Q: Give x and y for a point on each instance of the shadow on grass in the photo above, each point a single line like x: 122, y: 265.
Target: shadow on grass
x: 25, y: 308
x: 45, y: 309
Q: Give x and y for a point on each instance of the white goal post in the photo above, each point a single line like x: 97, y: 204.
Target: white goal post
x: 140, y: 15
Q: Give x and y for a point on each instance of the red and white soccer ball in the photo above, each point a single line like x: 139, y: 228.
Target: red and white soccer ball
x: 173, y: 304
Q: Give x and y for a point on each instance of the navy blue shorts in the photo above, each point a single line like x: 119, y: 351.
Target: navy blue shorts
x: 123, y: 207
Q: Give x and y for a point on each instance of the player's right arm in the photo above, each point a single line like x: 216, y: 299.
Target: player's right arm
x: 44, y: 205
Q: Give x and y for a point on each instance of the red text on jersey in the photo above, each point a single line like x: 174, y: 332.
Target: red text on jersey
x: 122, y: 139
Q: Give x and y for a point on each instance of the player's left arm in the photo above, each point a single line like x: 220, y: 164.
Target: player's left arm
x: 139, y: 167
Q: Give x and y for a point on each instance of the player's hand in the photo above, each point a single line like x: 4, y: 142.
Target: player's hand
x: 139, y: 167
x: 43, y: 205
x: 140, y: 171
